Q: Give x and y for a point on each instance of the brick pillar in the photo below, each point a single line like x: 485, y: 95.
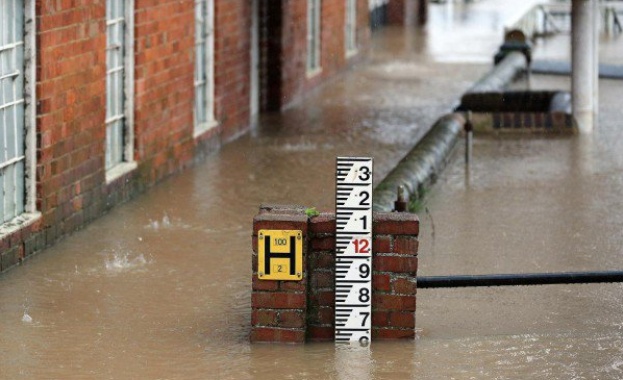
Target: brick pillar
x: 396, y: 12
x: 394, y: 270
x: 279, y: 308
x: 299, y: 311
x: 321, y: 267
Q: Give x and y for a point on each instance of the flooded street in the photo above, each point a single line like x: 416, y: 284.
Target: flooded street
x: 160, y: 287
x: 530, y: 204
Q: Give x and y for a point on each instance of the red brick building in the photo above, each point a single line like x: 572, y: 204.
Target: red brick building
x: 101, y: 99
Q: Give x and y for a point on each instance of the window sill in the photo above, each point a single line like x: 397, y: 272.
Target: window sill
x: 120, y: 170
x: 204, y: 127
x: 19, y: 222
x: 313, y: 72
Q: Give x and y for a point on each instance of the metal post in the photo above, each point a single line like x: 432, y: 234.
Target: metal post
x: 544, y: 15
x: 410, y: 13
x: 595, y: 35
x: 400, y: 205
x: 583, y: 45
x: 469, y: 134
x: 422, y: 12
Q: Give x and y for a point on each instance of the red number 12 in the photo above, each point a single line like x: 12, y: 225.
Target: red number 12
x: 362, y: 246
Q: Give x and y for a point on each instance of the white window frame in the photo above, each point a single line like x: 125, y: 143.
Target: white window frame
x: 127, y: 162
x: 28, y: 214
x: 350, y: 28
x: 314, y: 24
x: 203, y: 109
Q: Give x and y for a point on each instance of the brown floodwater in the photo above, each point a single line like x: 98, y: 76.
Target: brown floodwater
x: 160, y: 287
x: 529, y: 204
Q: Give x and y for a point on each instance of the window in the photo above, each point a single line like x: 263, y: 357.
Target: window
x: 12, y: 104
x: 119, y: 87
x: 17, y: 115
x: 313, y: 36
x: 350, y: 35
x: 204, y: 66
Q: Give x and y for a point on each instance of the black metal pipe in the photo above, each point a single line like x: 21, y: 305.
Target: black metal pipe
x: 518, y: 279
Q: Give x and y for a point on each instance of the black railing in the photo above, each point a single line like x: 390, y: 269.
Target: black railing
x: 460, y: 281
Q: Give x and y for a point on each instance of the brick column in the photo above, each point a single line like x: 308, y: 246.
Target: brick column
x: 394, y: 270
x: 279, y: 308
x: 321, y: 268
x: 299, y: 311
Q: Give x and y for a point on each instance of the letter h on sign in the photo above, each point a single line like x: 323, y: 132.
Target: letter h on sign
x: 280, y: 255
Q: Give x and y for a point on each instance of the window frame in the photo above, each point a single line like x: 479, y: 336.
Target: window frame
x: 127, y: 162
x: 350, y: 28
x: 314, y: 36
x: 30, y: 214
x: 204, y: 94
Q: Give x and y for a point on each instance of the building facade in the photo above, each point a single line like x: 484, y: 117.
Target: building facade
x: 99, y: 100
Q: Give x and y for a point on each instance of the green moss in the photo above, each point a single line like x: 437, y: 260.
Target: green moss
x: 382, y: 186
x: 417, y: 202
x: 311, y: 212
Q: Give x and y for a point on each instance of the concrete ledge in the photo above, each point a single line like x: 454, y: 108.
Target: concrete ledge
x: 564, y: 68
x: 516, y: 101
x: 419, y: 168
x: 519, y: 111
x: 524, y: 122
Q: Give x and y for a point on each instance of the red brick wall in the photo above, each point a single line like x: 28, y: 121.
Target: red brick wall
x: 163, y: 74
x: 293, y: 50
x: 232, y: 70
x: 71, y: 187
x: 299, y: 311
x: 294, y: 80
x: 396, y: 12
x: 71, y: 81
x: 164, y: 37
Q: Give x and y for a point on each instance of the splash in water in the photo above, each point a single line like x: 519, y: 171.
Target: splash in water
x: 304, y: 146
x: 157, y: 224
x: 121, y: 262
x: 26, y: 318
x: 166, y: 222
x: 617, y: 365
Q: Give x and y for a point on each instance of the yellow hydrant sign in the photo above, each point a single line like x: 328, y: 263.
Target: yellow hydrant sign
x: 280, y: 255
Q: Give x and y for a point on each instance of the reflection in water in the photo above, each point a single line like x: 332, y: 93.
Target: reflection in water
x: 353, y: 362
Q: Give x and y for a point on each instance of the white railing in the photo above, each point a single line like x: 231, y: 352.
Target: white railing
x: 612, y: 18
x: 547, y: 19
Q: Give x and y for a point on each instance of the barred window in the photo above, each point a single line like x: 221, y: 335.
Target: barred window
x: 119, y: 132
x: 350, y: 35
x: 314, y: 10
x: 204, y: 65
x: 12, y: 129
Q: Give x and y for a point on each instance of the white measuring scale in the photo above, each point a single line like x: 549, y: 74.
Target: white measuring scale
x: 353, y: 260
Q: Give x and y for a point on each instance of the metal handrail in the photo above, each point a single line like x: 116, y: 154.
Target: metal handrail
x: 544, y: 19
x: 520, y: 279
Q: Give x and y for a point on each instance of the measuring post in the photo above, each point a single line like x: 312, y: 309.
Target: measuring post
x: 353, y: 261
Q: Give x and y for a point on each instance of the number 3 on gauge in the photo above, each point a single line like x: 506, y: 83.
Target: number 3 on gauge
x: 364, y: 173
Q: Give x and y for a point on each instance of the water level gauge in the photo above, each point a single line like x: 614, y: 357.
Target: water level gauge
x: 353, y: 260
